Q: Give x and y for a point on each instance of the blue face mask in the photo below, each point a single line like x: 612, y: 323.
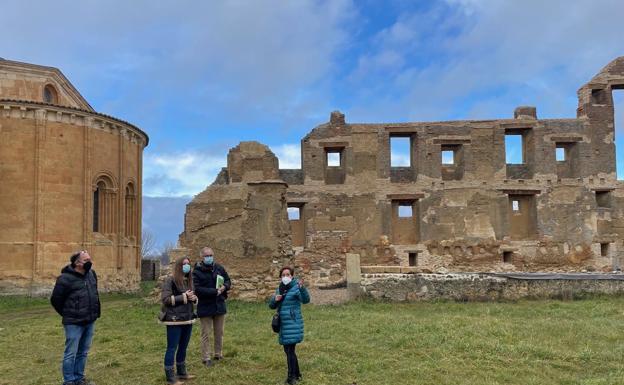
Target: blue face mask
x: 208, y: 260
x: 186, y: 268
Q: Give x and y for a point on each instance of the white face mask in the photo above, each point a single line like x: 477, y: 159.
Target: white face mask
x: 286, y: 280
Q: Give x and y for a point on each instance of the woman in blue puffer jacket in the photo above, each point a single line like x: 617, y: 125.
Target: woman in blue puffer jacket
x: 288, y: 297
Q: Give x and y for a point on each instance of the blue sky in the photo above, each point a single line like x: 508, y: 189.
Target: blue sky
x: 199, y: 77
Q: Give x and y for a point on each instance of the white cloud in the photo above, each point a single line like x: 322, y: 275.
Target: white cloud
x: 499, y: 53
x: 289, y: 155
x: 242, y: 60
x: 179, y: 174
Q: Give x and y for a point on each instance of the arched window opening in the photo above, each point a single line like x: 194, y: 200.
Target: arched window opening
x: 131, y: 220
x: 50, y: 95
x: 104, y: 199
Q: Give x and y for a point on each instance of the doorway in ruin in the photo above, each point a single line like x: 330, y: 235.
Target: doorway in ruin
x: 297, y: 224
x: 405, y: 229
x: 522, y: 217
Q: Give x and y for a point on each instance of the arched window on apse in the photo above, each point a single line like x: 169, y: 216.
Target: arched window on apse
x: 50, y: 95
x: 104, y: 199
x: 130, y: 212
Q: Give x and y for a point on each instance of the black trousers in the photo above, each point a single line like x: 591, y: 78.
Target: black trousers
x: 291, y: 360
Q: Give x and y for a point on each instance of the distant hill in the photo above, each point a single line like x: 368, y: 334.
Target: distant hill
x: 164, y: 218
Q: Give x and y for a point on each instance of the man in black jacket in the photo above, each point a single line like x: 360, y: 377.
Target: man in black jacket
x: 211, y: 283
x: 75, y: 298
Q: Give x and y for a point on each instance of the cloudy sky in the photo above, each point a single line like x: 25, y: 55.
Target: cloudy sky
x: 199, y: 77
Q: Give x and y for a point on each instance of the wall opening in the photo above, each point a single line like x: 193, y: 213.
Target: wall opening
x: 522, y: 217
x: 104, y: 206
x: 604, y: 249
x: 618, y: 112
x: 448, y: 157
x: 514, y: 149
x: 96, y: 208
x: 334, y: 159
x: 297, y: 223
x: 567, y: 159
x: 507, y: 256
x: 519, y: 153
x: 50, y: 95
x: 400, y: 151
x: 405, y: 227
x: 405, y: 210
x: 413, y: 259
x: 402, y: 157
x: 334, y: 166
x: 603, y: 199
x: 452, y: 162
x: 131, y: 219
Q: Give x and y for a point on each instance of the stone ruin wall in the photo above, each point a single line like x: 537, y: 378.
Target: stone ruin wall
x: 477, y: 214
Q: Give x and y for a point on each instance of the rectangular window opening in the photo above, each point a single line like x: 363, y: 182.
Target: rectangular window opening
x: 560, y: 154
x: 604, y: 249
x: 400, y: 151
x: 334, y: 158
x: 294, y: 213
x: 514, y: 149
x: 603, y: 199
x: 405, y: 210
x: 448, y: 157
x: 507, y: 256
x: 413, y: 259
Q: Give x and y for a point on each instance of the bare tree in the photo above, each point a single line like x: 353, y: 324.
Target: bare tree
x: 148, y: 243
x: 165, y: 254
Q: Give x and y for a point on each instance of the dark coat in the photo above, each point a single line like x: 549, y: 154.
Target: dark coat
x: 176, y: 308
x: 291, y: 319
x: 75, y: 297
x: 205, y: 282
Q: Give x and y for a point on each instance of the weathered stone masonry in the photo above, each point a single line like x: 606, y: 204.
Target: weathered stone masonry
x: 477, y: 213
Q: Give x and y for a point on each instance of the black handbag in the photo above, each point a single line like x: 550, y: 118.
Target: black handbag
x: 275, y: 321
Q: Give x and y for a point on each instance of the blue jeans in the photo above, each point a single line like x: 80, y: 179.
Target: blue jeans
x: 178, y: 337
x: 77, y: 343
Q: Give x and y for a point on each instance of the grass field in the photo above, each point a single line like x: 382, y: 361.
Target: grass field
x: 532, y: 342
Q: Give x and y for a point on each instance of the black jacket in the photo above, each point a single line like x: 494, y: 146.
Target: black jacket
x: 176, y: 308
x: 75, y: 297
x: 205, y: 282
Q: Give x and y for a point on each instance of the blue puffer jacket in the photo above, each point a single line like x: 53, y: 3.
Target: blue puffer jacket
x: 291, y: 330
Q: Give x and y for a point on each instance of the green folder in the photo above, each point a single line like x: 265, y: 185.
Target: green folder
x: 220, y: 281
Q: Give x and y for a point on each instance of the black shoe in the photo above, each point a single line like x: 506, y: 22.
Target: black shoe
x: 208, y: 363
x: 290, y: 381
x: 84, y: 381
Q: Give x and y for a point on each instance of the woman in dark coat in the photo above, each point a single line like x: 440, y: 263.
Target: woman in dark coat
x: 288, y: 299
x: 177, y: 299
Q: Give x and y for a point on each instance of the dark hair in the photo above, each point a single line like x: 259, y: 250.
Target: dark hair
x: 74, y: 257
x: 178, y: 275
x: 292, y: 271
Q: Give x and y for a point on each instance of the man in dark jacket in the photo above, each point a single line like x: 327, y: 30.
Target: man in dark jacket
x: 211, y: 283
x: 75, y: 298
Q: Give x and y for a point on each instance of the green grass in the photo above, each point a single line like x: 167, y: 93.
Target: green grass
x: 530, y: 342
